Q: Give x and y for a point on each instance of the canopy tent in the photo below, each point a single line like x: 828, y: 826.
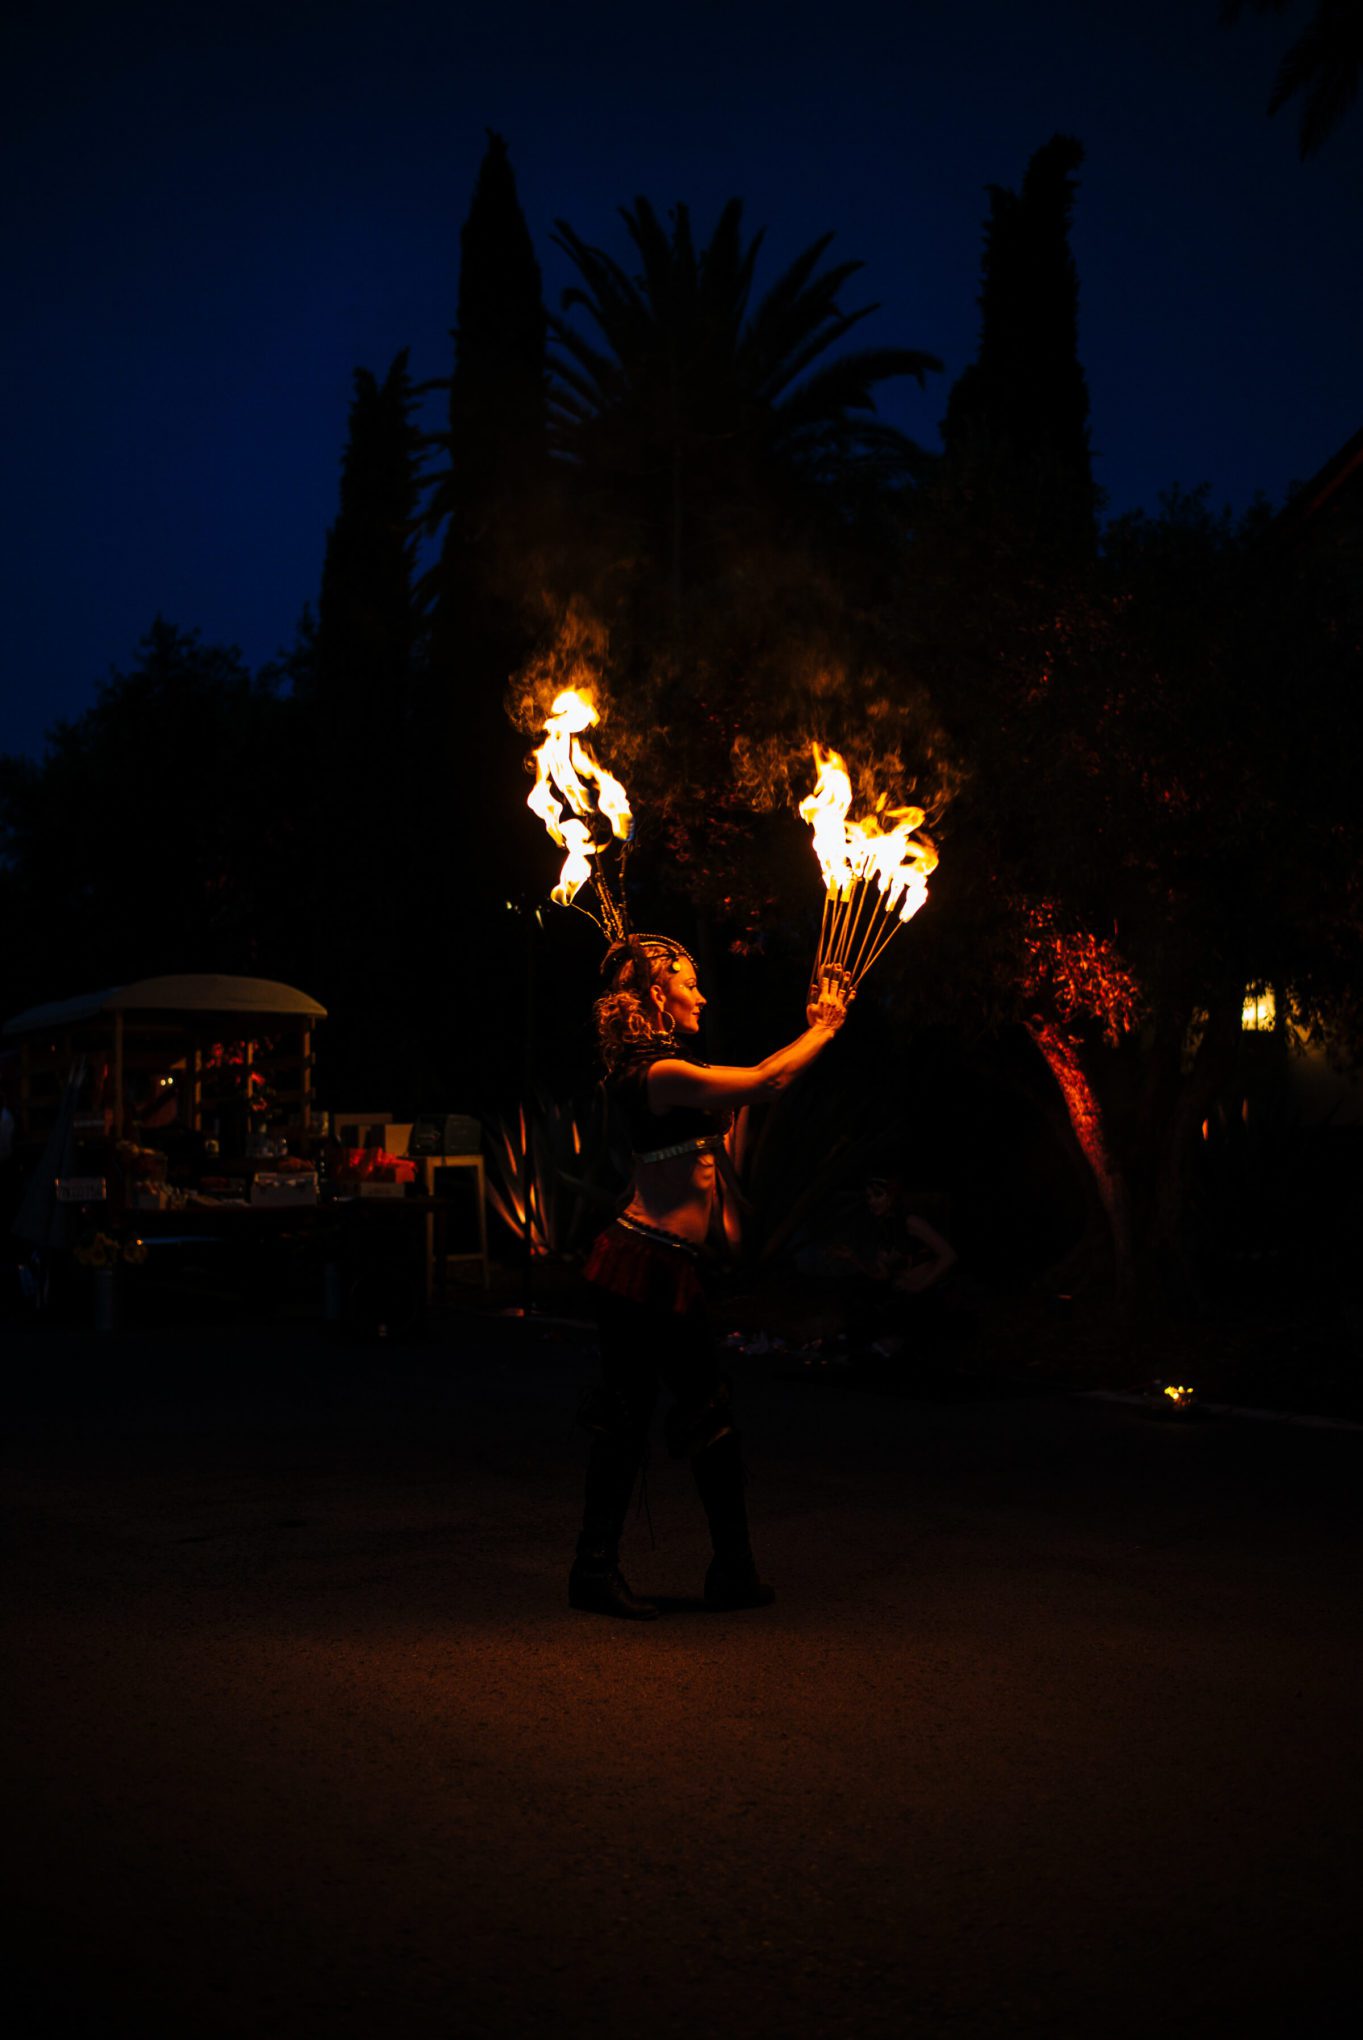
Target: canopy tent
x: 129, y: 1026
x: 258, y: 997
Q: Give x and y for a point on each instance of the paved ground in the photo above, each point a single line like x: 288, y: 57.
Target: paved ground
x: 1053, y: 1730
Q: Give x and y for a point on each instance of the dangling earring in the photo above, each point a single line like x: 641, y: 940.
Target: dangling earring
x: 669, y: 1027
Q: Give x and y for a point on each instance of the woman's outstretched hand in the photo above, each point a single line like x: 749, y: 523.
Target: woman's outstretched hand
x: 829, y: 997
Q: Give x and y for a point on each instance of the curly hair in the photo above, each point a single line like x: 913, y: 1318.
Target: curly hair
x: 624, y: 1015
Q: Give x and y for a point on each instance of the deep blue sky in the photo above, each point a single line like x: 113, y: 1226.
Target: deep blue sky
x: 211, y: 219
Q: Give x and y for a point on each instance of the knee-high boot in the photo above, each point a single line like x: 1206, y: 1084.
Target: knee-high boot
x: 732, y: 1580
x: 596, y: 1582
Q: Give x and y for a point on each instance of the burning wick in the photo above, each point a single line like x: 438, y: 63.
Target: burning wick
x: 1179, y: 1395
x: 875, y: 877
x: 565, y: 773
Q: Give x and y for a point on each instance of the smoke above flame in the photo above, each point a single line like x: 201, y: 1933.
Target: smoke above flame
x: 571, y: 657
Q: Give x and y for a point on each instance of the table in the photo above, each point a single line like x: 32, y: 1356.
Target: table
x: 428, y: 1164
x: 350, y: 1220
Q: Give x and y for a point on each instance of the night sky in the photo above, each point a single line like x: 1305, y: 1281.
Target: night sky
x: 213, y: 217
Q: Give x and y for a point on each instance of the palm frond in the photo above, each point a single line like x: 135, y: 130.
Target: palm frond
x: 726, y: 271
x: 791, y: 283
x: 827, y: 335
x: 848, y: 384
x: 792, y: 309
x: 594, y: 370
x: 610, y: 296
x: 654, y: 244
x: 1323, y: 65
x: 683, y: 381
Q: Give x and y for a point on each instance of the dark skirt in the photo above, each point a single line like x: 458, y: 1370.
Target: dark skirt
x: 648, y: 1266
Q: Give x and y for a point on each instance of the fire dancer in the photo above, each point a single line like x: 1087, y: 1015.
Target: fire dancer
x: 648, y: 1268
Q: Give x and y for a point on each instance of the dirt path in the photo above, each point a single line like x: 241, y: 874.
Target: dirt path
x: 1053, y: 1729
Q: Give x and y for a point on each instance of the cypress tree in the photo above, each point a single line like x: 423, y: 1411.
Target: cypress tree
x: 1017, y: 418
x: 488, y: 503
x: 492, y: 501
x: 354, y: 691
x: 367, y: 618
x: 490, y: 497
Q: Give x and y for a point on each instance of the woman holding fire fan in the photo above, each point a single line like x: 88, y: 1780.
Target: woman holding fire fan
x: 648, y: 1268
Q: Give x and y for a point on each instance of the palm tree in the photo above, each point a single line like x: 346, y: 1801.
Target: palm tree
x: 1323, y: 64
x: 690, y: 417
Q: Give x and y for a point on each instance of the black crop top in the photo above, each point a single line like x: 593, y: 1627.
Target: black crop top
x: 657, y: 1136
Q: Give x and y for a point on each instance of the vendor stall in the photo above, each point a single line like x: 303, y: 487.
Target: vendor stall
x: 218, y: 1058
x: 180, y: 1111
x: 150, y: 1109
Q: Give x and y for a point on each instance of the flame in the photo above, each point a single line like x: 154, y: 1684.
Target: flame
x: 565, y: 771
x: 1179, y: 1394
x: 878, y: 847
x: 826, y: 812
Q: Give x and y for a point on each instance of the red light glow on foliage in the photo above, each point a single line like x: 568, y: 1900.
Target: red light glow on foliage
x: 1062, y: 1059
x: 1082, y: 975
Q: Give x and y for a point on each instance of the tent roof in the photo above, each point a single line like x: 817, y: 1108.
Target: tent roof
x: 258, y: 997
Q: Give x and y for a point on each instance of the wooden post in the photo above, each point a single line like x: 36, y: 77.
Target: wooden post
x: 118, y: 1074
x: 305, y: 1079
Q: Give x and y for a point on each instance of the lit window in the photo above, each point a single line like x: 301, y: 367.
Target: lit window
x: 1259, y: 1014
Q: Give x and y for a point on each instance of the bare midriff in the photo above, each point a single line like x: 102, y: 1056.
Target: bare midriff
x: 677, y: 1196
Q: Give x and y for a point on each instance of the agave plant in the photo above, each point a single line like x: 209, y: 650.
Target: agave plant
x: 557, y: 1172
x: 554, y: 1172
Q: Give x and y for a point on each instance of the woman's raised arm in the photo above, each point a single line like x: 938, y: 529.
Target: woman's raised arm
x: 672, y: 1082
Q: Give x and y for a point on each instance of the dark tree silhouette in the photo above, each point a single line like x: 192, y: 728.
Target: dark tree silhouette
x: 355, y: 683
x: 1004, y: 615
x: 697, y: 424
x: 1009, y: 627
x: 489, y: 499
x: 1155, y: 818
x: 362, y: 659
x: 1322, y: 65
x: 1016, y: 428
x: 737, y: 509
x: 491, y: 504
x: 150, y: 837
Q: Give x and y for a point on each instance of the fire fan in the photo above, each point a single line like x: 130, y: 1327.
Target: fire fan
x: 875, y: 872
x: 562, y: 797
